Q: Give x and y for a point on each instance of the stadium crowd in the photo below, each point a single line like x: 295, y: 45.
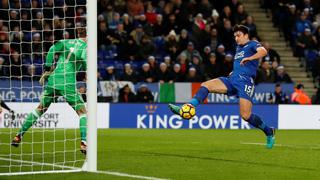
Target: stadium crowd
x: 152, y: 41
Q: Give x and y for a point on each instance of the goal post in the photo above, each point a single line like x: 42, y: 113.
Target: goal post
x: 92, y: 85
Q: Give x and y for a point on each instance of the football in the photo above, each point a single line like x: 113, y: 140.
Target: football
x: 187, y: 111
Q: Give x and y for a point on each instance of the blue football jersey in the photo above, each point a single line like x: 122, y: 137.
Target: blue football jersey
x: 249, y: 68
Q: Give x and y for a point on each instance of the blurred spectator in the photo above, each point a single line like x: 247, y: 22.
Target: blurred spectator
x: 16, y: 66
x: 240, y: 14
x: 126, y: 95
x: 190, y: 52
x: 135, y: 7
x: 302, y: 24
x: 305, y: 42
x: 31, y: 74
x: 129, y: 74
x: 316, y: 97
x: 172, y: 44
x: 282, y: 76
x: 82, y: 90
x: 164, y: 75
x: 299, y: 96
x: 265, y: 73
x: 214, y: 39
x: 182, y: 60
x: 144, y: 94
x: 227, y: 36
x: 158, y: 27
x: 128, y: 50
x: 278, y: 96
x: 213, y: 69
x: 183, y: 40
x: 111, y: 74
x: 178, y: 76
x: 249, y: 22
x: 146, y: 48
x: 272, y: 54
x: 146, y: 75
x: 227, y: 64
x: 193, y: 76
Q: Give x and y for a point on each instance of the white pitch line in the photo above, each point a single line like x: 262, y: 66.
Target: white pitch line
x: 129, y: 175
x: 72, y: 169
x: 281, y: 145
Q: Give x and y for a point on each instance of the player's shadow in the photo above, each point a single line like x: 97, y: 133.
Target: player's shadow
x: 228, y: 160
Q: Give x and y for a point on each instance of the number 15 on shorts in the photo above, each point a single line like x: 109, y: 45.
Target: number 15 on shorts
x: 249, y: 90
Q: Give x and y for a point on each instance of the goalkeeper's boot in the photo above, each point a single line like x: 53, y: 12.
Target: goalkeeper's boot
x: 174, y: 108
x: 83, y: 147
x: 16, y: 141
x: 271, y: 139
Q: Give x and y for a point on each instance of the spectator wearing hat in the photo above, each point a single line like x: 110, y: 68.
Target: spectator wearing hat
x: 213, y: 69
x: 178, y: 76
x: 137, y: 33
x: 146, y: 75
x: 111, y: 74
x: 278, y: 96
x: 282, y: 76
x: 126, y: 95
x: 299, y: 96
x: 164, y: 75
x: 301, y: 24
x: 144, y: 94
x: 193, y: 76
x: 172, y: 44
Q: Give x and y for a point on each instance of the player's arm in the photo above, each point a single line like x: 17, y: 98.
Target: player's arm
x: 261, y: 52
x: 4, y: 105
x: 48, y: 66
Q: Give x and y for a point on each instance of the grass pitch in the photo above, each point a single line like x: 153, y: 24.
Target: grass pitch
x: 183, y: 154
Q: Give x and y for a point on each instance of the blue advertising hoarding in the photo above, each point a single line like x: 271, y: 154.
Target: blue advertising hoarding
x: 209, y: 116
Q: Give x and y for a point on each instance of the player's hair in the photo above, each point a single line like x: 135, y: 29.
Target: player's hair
x: 82, y: 32
x: 241, y: 28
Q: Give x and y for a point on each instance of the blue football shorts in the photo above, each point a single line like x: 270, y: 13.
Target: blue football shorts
x: 239, y: 85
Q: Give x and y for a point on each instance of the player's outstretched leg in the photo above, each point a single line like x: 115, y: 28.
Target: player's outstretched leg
x: 29, y: 121
x: 83, y: 133
x: 200, y: 96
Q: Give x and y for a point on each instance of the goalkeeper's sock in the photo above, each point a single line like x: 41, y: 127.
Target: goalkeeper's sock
x: 83, y: 127
x: 257, y: 122
x: 200, y: 96
x: 29, y: 121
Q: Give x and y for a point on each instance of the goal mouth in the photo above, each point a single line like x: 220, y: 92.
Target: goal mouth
x: 43, y: 82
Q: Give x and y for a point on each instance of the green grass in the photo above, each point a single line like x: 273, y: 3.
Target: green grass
x: 189, y: 154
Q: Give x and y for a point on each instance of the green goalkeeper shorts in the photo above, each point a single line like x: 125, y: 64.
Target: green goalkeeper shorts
x: 73, y: 98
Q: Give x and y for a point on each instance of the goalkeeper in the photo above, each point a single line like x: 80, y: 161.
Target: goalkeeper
x: 62, y: 82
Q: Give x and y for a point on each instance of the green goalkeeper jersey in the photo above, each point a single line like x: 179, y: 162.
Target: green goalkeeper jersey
x: 72, y: 58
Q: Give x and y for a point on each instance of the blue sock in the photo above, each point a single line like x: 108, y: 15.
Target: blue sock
x: 200, y: 96
x: 257, y: 122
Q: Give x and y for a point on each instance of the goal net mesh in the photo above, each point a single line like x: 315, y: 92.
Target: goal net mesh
x: 28, y: 28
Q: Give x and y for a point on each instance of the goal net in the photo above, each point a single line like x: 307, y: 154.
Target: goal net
x: 28, y: 30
